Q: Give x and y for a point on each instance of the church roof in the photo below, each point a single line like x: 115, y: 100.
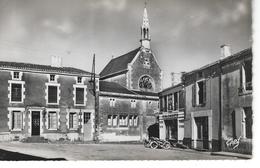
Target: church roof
x: 42, y: 68
x: 113, y: 87
x: 118, y: 64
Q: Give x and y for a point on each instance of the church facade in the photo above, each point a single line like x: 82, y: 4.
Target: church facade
x: 128, y: 97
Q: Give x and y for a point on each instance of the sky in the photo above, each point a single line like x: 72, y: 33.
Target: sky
x: 186, y: 34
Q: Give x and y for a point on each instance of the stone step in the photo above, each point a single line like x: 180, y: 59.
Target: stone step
x: 35, y: 139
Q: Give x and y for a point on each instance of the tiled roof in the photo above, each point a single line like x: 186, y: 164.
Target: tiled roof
x: 113, y: 87
x: 42, y: 68
x: 119, y: 64
x: 117, y: 88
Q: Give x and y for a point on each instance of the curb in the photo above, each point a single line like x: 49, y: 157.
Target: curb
x: 230, y: 154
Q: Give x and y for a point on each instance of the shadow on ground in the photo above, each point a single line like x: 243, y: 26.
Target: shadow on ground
x: 16, y: 156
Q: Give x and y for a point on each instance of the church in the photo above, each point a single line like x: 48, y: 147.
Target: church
x: 128, y: 93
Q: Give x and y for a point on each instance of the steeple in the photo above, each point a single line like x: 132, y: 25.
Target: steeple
x: 145, y: 30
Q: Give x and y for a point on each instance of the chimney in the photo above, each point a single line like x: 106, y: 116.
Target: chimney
x: 56, y: 61
x: 225, y: 51
x: 176, y: 78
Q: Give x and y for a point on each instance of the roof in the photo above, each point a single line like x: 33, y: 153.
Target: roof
x: 42, y: 68
x: 113, y: 87
x: 234, y: 56
x: 119, y: 64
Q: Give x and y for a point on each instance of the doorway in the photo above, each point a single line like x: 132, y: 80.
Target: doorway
x: 87, y: 126
x: 35, y: 123
x: 202, y: 132
x: 171, y: 129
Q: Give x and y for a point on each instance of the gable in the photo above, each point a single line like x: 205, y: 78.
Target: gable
x: 119, y: 64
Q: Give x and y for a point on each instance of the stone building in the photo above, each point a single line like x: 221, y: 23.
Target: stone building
x: 128, y: 98
x: 172, y: 113
x: 219, y: 104
x: 48, y: 102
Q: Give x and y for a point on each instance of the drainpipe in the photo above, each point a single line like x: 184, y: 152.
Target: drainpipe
x: 220, y: 109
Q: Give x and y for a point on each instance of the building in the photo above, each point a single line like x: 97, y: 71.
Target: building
x: 218, y: 104
x: 172, y: 113
x: 48, y: 102
x: 128, y: 98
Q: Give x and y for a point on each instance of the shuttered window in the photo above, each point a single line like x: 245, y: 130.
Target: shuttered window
x: 16, y: 92
x: 17, y: 120
x: 52, y: 94
x: 52, y: 120
x: 199, y: 93
x: 73, y: 121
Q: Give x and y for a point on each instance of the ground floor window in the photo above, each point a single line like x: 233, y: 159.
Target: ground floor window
x: 123, y: 120
x: 73, y: 120
x: 16, y: 120
x: 52, y: 120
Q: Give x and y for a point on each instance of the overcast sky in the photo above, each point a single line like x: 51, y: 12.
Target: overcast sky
x: 186, y: 34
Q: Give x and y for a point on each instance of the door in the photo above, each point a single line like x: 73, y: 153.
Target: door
x: 35, y: 123
x: 87, y: 128
x: 202, y: 132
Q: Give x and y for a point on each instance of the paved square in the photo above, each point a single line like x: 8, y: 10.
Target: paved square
x: 106, y: 152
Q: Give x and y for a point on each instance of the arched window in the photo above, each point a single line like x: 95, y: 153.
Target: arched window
x: 144, y: 31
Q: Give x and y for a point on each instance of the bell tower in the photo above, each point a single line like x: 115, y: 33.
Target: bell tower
x: 145, y: 30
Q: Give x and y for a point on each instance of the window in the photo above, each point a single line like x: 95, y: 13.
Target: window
x: 199, y: 93
x: 16, y: 92
x: 176, y: 100
x: 86, y: 118
x: 73, y: 121
x: 114, y: 120
x: 16, y: 120
x: 146, y: 83
x: 165, y: 103
x: 52, y: 77
x: 133, y: 120
x: 80, y: 95
x: 52, y: 120
x: 247, y: 75
x: 52, y: 94
x: 170, y: 102
x: 112, y: 102
x: 133, y: 104
x: 247, y: 123
x: 16, y: 75
x: 79, y: 80
x: 123, y: 120
x: 109, y: 120
x: 146, y: 63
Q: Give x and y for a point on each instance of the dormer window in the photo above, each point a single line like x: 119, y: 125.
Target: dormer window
x: 79, y: 80
x: 52, y: 78
x: 17, y: 75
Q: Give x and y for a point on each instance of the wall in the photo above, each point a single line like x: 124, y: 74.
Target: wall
x: 137, y: 71
x: 35, y: 98
x: 120, y: 79
x: 144, y: 110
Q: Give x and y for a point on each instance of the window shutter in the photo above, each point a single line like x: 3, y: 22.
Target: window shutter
x: 204, y: 92
x: 193, y: 95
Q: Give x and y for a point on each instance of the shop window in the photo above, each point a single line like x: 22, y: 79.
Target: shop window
x: 123, y: 120
x: 52, y: 120
x: 16, y: 120
x: 170, y: 102
x: 73, y: 120
x: 247, y: 76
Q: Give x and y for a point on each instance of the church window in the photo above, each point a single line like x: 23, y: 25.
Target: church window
x: 146, y: 63
x: 145, y: 83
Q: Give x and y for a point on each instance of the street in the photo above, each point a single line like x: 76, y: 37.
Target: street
x: 100, y: 152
